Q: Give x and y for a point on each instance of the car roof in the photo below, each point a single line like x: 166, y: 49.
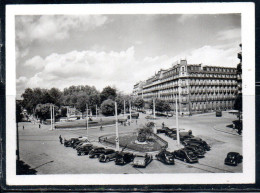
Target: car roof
x: 233, y: 153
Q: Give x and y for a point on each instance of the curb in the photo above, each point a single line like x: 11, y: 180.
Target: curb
x: 214, y: 127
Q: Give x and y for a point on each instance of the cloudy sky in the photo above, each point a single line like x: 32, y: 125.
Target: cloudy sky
x: 118, y: 50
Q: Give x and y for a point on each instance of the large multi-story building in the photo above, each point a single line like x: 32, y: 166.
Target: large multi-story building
x: 197, y: 88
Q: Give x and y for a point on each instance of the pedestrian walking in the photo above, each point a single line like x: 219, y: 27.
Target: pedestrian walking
x: 129, y: 123
x: 39, y: 126
x: 136, y: 121
x: 60, y: 139
x: 101, y: 128
x: 163, y: 125
x: 23, y: 127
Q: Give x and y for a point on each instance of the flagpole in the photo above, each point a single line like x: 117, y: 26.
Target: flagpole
x: 117, y: 134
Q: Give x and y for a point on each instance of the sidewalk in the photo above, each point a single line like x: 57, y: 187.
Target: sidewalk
x: 225, y: 129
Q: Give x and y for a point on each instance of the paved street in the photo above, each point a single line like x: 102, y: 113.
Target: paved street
x: 40, y: 147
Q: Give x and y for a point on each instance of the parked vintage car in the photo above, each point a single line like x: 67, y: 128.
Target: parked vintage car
x: 198, y: 151
x: 185, y: 155
x: 150, y: 117
x: 133, y: 115
x: 162, y: 130
x: 123, y: 158
x: 84, y: 150
x: 161, y: 114
x: 96, y: 152
x: 142, y: 111
x: 70, y: 142
x: 199, y: 142
x: 122, y: 120
x: 107, y: 155
x: 141, y: 160
x: 233, y: 158
x: 218, y: 113
x: 172, y: 133
x: 81, y: 144
x: 165, y: 157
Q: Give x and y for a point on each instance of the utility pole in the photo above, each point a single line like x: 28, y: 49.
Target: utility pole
x: 17, y: 142
x: 130, y: 111
x: 96, y: 111
x: 154, y: 108
x: 124, y: 107
x: 87, y: 119
x: 53, y: 126
x: 177, y: 120
x: 51, y: 115
x: 117, y: 134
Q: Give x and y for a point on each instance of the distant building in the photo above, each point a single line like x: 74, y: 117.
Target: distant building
x: 198, y: 88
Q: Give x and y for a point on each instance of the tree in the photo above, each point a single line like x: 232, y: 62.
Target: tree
x: 139, y: 103
x: 160, y: 105
x: 108, y: 93
x: 19, y: 115
x: 145, y: 132
x: 108, y: 107
x: 43, y: 111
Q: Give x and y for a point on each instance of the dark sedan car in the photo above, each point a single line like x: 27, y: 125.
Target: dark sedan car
x: 70, y: 142
x: 108, y: 155
x: 84, y: 150
x: 198, y: 151
x: 233, y: 158
x: 123, y: 158
x: 198, y: 142
x: 96, y: 152
x: 165, y: 157
x: 185, y: 155
x: 133, y: 115
x: 162, y: 130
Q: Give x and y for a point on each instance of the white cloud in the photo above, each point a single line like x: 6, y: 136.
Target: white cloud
x: 229, y: 34
x: 36, y: 62
x: 54, y: 27
x: 121, y: 69
x: 185, y: 17
x: 215, y: 56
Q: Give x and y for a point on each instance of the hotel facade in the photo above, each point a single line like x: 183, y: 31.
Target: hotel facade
x: 198, y: 88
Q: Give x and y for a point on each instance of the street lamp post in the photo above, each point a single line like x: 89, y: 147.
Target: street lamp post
x: 53, y: 126
x: 154, y: 108
x: 87, y: 120
x: 117, y: 134
x: 96, y: 111
x: 51, y: 116
x: 177, y: 121
x: 130, y: 111
x: 124, y: 107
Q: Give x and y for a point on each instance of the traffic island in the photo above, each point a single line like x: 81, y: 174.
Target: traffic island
x: 128, y: 140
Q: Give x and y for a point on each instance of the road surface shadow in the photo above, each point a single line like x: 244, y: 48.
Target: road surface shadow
x: 24, y: 169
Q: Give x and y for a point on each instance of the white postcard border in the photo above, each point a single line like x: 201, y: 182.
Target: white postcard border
x: 248, y: 39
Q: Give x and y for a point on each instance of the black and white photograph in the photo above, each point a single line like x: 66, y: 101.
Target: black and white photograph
x: 130, y: 94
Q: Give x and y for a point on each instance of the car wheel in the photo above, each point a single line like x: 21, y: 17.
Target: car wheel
x: 107, y: 160
x: 185, y: 160
x: 83, y: 153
